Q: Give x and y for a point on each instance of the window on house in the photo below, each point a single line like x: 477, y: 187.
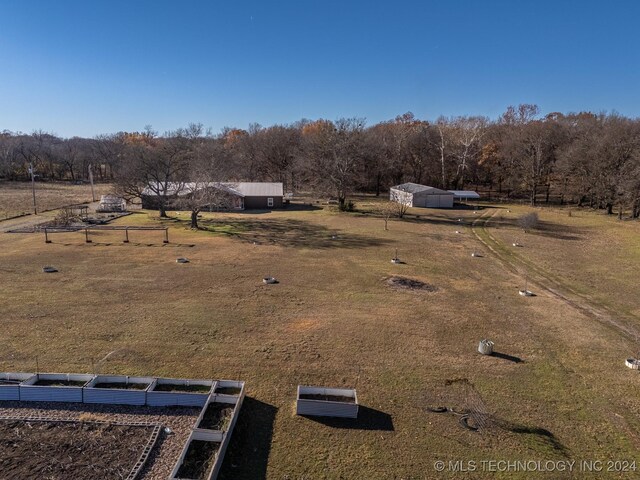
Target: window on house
x: 269, y: 202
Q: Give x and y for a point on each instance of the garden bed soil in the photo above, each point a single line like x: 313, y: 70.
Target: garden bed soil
x: 327, y: 398
x: 198, y: 460
x: 122, y: 385
x: 78, y: 450
x: 61, y: 383
x: 217, y: 416
x: 169, y: 387
x: 228, y: 390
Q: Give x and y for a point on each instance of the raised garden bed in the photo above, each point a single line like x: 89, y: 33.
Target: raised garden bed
x: 327, y: 402
x: 216, y: 416
x: 228, y: 387
x: 122, y: 385
x: 198, y: 460
x: 118, y: 390
x: 10, y: 385
x: 54, y: 387
x: 174, y: 391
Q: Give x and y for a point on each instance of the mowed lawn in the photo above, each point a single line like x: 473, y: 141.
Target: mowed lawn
x: 332, y: 321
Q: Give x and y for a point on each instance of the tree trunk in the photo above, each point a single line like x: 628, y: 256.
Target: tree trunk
x: 194, y: 219
x: 163, y: 210
x: 534, y: 192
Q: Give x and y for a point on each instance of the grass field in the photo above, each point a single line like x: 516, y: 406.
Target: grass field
x: 559, y: 390
x: 16, y: 198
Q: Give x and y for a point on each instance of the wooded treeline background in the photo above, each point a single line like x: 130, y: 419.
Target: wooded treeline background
x: 581, y: 158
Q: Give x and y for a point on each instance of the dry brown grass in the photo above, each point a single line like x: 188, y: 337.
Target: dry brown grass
x: 16, y: 197
x: 331, y: 321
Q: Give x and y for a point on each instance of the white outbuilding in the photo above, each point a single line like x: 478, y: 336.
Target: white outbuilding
x: 415, y: 195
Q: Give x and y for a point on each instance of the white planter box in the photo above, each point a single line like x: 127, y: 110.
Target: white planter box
x: 31, y: 392
x: 10, y: 384
x: 157, y: 398
x: 117, y: 396
x: 327, y: 408
x: 215, y: 435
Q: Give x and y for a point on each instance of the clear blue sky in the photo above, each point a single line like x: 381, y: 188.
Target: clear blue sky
x: 89, y: 67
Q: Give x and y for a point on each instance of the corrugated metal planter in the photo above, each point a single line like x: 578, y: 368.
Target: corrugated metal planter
x: 229, y: 387
x: 327, y: 402
x: 125, y: 390
x: 54, y: 387
x: 218, y: 456
x: 215, y: 436
x: 166, y: 392
x: 9, y: 384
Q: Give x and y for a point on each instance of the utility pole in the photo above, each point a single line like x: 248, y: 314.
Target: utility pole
x: 93, y: 193
x: 33, y: 188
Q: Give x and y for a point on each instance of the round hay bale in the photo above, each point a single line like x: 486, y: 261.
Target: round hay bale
x: 269, y: 280
x: 526, y: 293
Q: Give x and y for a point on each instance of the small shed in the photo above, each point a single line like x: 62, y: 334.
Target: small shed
x: 112, y: 203
x: 416, y: 195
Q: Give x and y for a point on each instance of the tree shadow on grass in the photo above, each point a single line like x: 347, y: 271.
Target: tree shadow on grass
x: 368, y: 419
x: 248, y: 451
x: 540, y: 437
x: 288, y: 233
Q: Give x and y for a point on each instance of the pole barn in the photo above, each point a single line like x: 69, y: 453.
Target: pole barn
x: 415, y: 195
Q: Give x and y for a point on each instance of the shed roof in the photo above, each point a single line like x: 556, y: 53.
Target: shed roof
x: 465, y: 194
x: 417, y: 188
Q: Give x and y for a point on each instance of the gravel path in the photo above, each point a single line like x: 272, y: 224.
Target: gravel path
x: 162, y: 459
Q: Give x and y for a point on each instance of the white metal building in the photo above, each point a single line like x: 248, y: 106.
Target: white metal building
x: 415, y: 195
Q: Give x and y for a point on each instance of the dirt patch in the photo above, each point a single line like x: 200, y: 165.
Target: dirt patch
x: 45, y: 449
x: 198, y: 460
x: 217, y: 416
x: 327, y: 398
x: 406, y: 283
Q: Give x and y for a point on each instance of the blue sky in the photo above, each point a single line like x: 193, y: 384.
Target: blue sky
x: 89, y: 67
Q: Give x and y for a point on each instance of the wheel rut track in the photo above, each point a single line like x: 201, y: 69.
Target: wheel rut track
x: 545, y: 282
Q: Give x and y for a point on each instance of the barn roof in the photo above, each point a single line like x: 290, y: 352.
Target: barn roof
x: 416, y: 187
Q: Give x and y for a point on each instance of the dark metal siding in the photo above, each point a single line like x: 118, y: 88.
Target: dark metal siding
x: 260, y: 203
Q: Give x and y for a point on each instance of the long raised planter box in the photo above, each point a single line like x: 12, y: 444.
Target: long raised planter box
x: 156, y: 398
x: 327, y: 408
x: 10, y: 384
x: 31, y: 392
x: 117, y: 396
x: 216, y: 436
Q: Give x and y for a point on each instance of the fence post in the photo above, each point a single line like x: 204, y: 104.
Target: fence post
x: 166, y: 235
x: 46, y: 236
x: 126, y: 235
x: 86, y: 235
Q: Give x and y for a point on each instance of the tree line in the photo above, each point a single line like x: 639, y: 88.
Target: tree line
x: 586, y: 159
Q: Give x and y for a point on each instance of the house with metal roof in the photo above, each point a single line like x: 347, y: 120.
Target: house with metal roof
x: 416, y: 195
x: 244, y: 195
